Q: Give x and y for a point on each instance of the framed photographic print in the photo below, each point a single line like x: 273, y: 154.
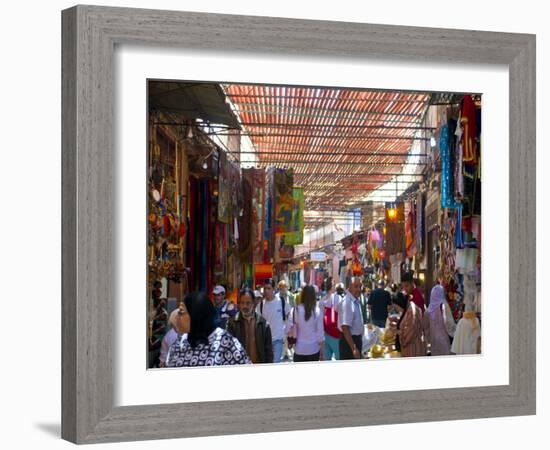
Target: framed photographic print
x: 246, y: 199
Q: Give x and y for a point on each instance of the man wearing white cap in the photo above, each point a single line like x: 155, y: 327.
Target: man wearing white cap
x: 224, y: 309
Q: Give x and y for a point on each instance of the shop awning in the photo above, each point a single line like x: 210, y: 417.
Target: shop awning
x: 342, y: 143
x: 203, y: 101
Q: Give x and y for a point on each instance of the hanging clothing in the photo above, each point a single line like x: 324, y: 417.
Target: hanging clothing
x: 469, y: 122
x: 192, y: 235
x: 283, y: 200
x: 269, y: 215
x: 459, y: 163
x: 335, y: 269
x: 203, y: 237
x: 447, y: 196
x: 410, y: 235
x: 459, y: 241
x: 419, y: 231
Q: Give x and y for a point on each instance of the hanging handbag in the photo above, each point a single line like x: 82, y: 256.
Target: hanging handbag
x: 291, y: 335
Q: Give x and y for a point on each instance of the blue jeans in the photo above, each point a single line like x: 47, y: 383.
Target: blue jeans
x: 331, y: 348
x: 277, y: 350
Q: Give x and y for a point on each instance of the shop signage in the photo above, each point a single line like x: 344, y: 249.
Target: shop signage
x: 318, y: 256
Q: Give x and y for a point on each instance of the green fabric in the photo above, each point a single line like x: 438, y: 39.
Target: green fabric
x: 296, y: 236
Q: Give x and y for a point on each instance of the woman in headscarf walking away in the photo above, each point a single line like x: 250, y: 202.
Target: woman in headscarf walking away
x: 439, y: 324
x: 410, y: 333
x: 204, y: 345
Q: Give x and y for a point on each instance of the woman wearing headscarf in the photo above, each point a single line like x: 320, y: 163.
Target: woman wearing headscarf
x: 437, y: 323
x: 467, y: 339
x: 306, y: 323
x: 179, y: 324
x: 205, y: 344
x: 410, y: 333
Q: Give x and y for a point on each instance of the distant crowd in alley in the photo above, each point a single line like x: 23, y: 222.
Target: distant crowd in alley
x: 271, y: 324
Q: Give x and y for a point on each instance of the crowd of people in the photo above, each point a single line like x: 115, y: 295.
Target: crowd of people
x: 272, y: 324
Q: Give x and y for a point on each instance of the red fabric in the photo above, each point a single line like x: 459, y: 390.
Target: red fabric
x: 468, y: 119
x: 330, y: 321
x: 210, y: 233
x: 418, y: 298
x: 166, y: 222
x: 467, y: 224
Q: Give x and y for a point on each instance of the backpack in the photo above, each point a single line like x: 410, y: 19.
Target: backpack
x: 282, y: 304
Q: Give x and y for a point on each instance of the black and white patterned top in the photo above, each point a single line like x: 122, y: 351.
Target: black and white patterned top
x: 222, y: 349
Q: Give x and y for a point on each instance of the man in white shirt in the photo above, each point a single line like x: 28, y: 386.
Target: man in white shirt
x: 275, y: 310
x: 350, y: 322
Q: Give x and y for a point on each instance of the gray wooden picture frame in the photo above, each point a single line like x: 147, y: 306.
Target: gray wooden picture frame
x: 90, y: 34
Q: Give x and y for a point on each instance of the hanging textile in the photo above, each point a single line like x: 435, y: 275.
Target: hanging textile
x: 469, y: 123
x: 459, y: 243
x: 447, y: 197
x: 268, y: 204
x: 236, y: 192
x: 282, y: 250
x: 343, y: 271
x: 224, y: 189
x: 248, y: 275
x: 335, y: 269
x: 269, y: 244
x: 459, y: 163
x: 447, y: 246
x: 245, y: 222
x: 312, y: 277
x: 203, y: 234
x: 452, y: 143
x: 210, y: 233
x: 395, y: 231
x: 262, y: 272
x: 230, y: 270
x: 419, y: 235
x: 410, y: 234
x: 356, y: 267
x: 192, y: 235
x: 220, y: 253
x: 256, y: 180
x: 283, y: 200
x: 374, y: 243
x: 295, y: 236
